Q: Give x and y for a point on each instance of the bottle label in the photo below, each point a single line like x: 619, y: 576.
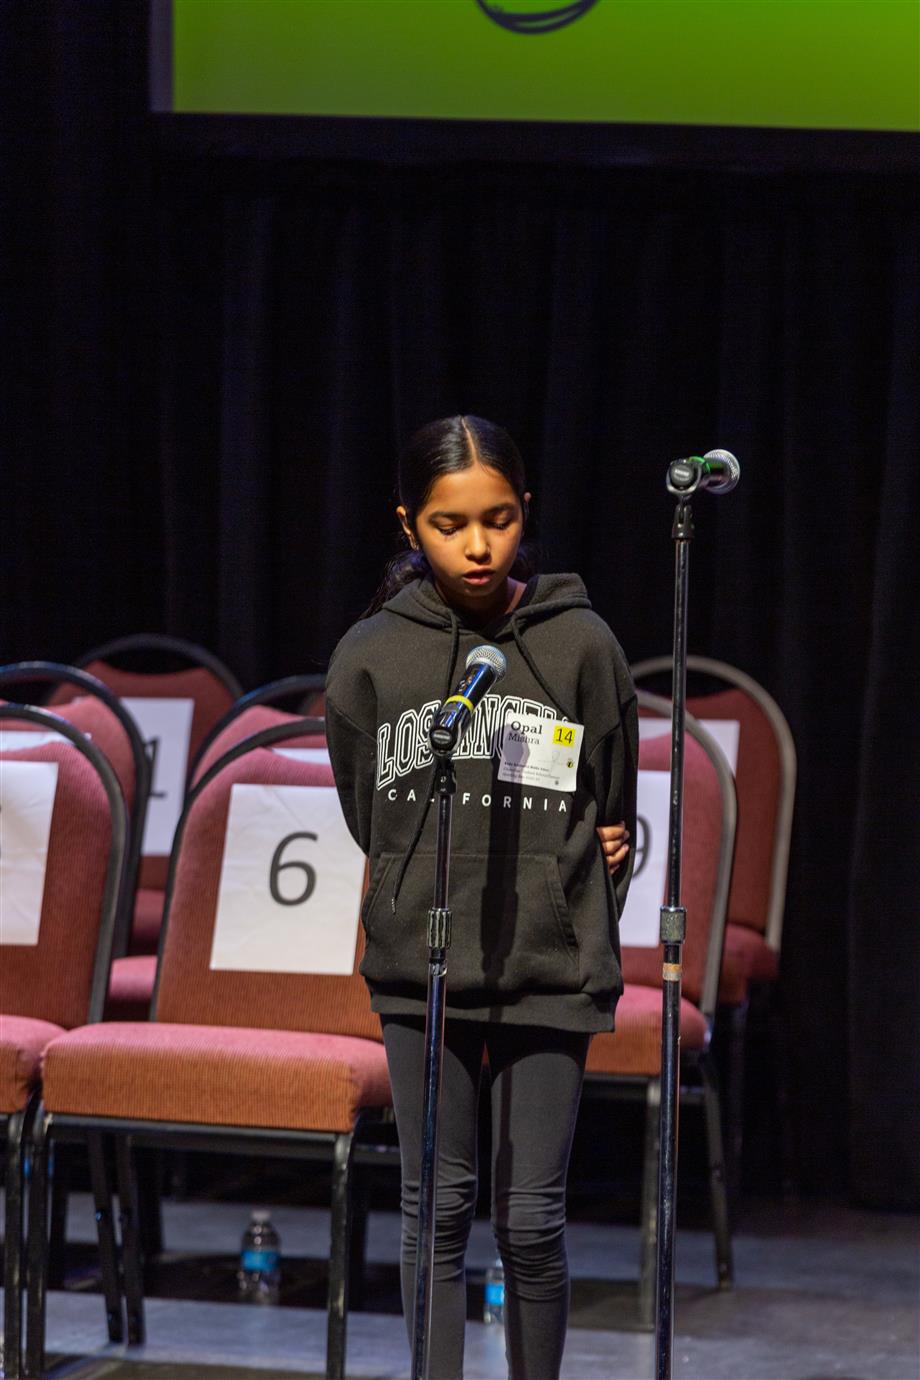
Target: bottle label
x: 260, y: 1261
x: 495, y: 1293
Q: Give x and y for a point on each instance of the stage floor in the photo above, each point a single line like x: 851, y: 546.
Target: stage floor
x: 821, y: 1293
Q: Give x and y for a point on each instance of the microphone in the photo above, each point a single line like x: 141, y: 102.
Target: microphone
x: 484, y: 666
x: 717, y: 470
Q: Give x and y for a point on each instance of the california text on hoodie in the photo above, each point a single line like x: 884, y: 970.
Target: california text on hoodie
x: 535, y: 912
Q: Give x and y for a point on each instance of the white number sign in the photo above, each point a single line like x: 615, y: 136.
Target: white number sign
x: 27, y: 791
x: 13, y: 739
x: 640, y: 923
x: 165, y: 726
x: 290, y: 883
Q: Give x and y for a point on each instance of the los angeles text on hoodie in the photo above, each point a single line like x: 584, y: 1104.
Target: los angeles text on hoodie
x: 535, y: 912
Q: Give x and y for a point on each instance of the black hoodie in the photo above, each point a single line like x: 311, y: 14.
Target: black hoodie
x: 535, y: 913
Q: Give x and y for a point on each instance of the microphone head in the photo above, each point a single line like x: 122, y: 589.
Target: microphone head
x: 732, y: 475
x: 489, y: 656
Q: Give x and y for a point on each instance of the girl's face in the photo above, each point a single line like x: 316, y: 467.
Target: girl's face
x: 469, y: 530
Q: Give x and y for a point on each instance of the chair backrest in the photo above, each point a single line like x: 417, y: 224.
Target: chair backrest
x: 708, y: 840
x: 189, y: 990
x: 234, y: 728
x: 159, y: 652
x: 61, y: 973
x: 299, y: 694
x: 97, y: 712
x: 765, y: 777
x: 205, y: 686
x: 101, y: 716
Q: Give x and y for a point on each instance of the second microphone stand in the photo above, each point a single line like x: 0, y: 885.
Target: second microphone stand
x: 682, y: 482
x: 445, y: 786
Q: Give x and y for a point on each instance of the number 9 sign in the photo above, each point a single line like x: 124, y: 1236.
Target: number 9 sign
x: 640, y: 922
x: 643, y: 844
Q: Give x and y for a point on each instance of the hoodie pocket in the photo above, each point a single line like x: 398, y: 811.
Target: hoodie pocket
x: 511, y: 928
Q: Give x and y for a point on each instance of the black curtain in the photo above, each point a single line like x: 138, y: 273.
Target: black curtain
x: 214, y: 360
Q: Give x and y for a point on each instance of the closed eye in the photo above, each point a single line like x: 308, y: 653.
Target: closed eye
x: 499, y: 527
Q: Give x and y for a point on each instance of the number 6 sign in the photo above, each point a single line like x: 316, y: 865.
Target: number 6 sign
x: 290, y: 883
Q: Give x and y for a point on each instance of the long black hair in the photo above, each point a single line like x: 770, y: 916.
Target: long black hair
x: 443, y: 447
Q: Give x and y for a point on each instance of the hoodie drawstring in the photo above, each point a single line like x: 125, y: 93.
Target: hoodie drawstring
x: 551, y: 694
x: 427, y: 800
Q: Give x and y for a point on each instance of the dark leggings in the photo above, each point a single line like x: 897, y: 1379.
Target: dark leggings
x: 536, y: 1077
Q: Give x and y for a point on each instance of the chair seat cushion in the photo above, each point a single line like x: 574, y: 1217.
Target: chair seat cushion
x: 130, y: 988
x: 22, y: 1041
x: 215, y: 1075
x: 746, y: 958
x: 635, y: 1046
x: 148, y: 920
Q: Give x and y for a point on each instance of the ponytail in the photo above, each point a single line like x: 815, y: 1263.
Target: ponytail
x: 401, y: 570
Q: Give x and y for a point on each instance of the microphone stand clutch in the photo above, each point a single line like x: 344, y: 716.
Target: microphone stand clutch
x: 717, y: 471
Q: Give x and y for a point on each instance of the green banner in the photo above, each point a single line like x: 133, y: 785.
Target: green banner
x: 825, y: 64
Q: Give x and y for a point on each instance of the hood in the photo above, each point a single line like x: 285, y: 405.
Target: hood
x: 544, y: 596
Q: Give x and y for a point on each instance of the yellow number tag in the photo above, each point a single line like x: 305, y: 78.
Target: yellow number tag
x: 564, y: 735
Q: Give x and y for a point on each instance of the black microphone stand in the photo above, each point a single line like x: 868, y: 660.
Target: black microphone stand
x: 445, y: 786
x: 682, y: 483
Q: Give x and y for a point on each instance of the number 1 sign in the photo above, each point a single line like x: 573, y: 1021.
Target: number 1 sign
x: 290, y: 883
x: 166, y: 727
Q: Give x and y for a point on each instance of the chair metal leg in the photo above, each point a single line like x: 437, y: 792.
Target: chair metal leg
x: 105, y: 1227
x: 37, y: 1247
x: 16, y: 1131
x: 648, y: 1265
x: 129, y: 1223
x: 717, y: 1187
x: 339, y: 1255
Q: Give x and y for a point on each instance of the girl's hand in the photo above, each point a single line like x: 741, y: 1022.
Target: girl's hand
x: 613, y: 841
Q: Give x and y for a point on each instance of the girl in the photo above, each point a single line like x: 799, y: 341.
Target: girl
x: 533, y: 968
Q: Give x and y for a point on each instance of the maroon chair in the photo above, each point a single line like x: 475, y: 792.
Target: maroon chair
x: 765, y: 778
x: 150, y: 673
x: 627, y: 1062
x: 306, y: 691
x: 277, y: 1063
x: 253, y: 719
x: 133, y: 976
x: 99, y: 714
x: 59, y: 981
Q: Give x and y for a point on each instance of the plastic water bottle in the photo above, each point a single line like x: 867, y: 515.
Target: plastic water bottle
x: 259, y: 1275
x: 493, y: 1306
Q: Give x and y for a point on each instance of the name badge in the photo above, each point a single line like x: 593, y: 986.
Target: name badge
x: 540, y: 752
